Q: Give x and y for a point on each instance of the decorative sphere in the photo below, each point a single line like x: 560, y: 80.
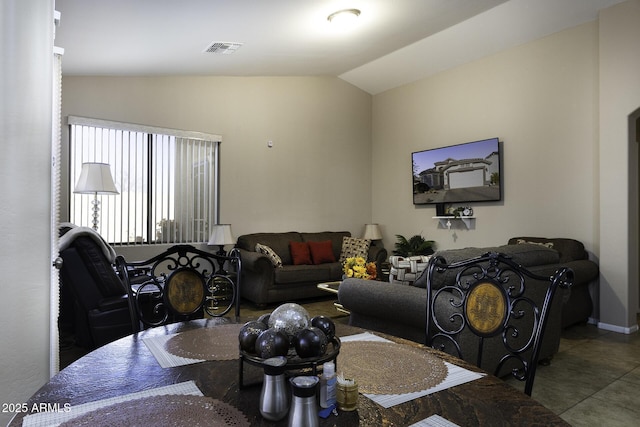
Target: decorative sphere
x: 265, y: 319
x: 310, y: 342
x: 325, y: 324
x: 289, y: 318
x: 272, y: 343
x: 248, y: 335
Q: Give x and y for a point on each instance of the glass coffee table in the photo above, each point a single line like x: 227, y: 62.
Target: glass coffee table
x: 332, y: 287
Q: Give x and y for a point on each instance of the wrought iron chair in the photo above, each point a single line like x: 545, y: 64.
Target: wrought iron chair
x: 180, y: 284
x: 491, y: 311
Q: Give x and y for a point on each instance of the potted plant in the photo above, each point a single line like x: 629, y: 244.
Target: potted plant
x: 416, y: 245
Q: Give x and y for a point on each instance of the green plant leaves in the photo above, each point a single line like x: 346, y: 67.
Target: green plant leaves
x: 416, y: 245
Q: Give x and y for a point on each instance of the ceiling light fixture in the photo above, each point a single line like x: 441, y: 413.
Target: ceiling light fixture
x: 344, y: 17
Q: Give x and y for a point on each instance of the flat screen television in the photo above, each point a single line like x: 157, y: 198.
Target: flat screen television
x: 460, y: 173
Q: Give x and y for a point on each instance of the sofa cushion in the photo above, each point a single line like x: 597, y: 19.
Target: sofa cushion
x: 568, y: 249
x: 270, y: 253
x: 334, y: 236
x: 279, y: 242
x: 354, y: 247
x: 300, y: 254
x: 295, y: 274
x: 545, y: 244
x: 527, y: 255
x: 321, y: 252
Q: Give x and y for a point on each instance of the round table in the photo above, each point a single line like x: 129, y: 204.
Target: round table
x: 127, y: 366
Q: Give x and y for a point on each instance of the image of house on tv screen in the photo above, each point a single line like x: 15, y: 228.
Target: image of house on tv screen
x: 458, y: 173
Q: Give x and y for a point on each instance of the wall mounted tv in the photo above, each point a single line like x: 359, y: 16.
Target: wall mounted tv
x: 457, y: 174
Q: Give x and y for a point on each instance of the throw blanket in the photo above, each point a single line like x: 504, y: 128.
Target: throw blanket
x: 69, y: 237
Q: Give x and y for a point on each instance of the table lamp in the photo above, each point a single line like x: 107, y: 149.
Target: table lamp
x: 95, y: 178
x: 220, y: 236
x: 372, y: 232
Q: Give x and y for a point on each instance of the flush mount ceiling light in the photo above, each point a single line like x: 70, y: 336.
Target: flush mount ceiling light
x: 344, y: 16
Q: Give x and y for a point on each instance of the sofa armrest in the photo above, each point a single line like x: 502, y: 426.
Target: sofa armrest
x: 255, y: 261
x: 584, y: 271
x: 257, y: 275
x: 397, y: 304
x: 113, y: 303
x: 377, y: 254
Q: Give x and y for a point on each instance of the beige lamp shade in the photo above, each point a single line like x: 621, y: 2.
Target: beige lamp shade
x: 221, y: 235
x: 95, y: 178
x: 372, y: 232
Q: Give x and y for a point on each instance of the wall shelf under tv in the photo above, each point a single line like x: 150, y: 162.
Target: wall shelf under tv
x: 468, y: 221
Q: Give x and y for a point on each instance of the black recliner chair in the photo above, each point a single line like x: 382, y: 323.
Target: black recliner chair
x: 93, y: 299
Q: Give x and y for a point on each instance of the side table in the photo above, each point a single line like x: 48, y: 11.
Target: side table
x: 332, y: 287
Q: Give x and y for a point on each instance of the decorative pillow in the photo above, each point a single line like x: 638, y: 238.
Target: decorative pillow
x: 270, y: 253
x: 300, y: 253
x: 321, y: 252
x: 525, y: 242
x: 354, y: 247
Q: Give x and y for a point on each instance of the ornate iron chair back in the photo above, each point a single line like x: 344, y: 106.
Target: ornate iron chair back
x: 180, y: 284
x: 491, y: 300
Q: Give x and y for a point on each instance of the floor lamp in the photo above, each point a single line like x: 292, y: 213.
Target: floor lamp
x: 95, y: 178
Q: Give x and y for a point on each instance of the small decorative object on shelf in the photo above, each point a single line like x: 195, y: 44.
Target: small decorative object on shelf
x: 459, y: 211
x: 463, y: 213
x: 445, y: 221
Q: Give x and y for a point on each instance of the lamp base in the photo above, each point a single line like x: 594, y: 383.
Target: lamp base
x: 96, y: 211
x: 221, y: 252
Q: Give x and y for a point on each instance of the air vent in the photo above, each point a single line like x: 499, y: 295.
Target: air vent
x: 224, y: 48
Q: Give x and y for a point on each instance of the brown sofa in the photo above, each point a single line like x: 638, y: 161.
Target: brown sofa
x: 400, y: 310
x: 571, y: 253
x: 262, y: 282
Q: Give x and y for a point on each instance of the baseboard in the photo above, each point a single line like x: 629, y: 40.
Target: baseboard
x: 619, y: 329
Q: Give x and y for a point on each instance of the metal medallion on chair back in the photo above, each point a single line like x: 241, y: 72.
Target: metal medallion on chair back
x: 180, y: 284
x: 185, y: 291
x: 491, y: 311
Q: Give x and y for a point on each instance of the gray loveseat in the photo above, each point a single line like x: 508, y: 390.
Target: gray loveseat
x: 400, y: 310
x: 264, y: 282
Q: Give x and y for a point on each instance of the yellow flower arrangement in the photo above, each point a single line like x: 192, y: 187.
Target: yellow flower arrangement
x: 359, y: 268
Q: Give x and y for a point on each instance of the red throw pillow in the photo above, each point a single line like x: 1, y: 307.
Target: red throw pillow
x: 300, y: 253
x: 321, y: 252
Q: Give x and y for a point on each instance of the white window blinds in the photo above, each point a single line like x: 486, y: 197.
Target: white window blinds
x: 167, y: 179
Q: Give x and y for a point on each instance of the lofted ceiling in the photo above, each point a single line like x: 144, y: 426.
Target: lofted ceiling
x: 392, y: 43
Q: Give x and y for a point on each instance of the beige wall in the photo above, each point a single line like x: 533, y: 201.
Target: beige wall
x: 561, y: 105
x: 619, y: 97
x: 25, y: 131
x: 541, y: 100
x: 317, y: 175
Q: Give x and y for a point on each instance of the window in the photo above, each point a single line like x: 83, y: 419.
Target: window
x: 167, y: 179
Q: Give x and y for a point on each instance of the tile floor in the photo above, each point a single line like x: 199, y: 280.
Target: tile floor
x: 594, y: 380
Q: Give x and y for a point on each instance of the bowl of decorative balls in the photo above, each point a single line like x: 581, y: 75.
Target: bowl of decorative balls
x: 289, y: 331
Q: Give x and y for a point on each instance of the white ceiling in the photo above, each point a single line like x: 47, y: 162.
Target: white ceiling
x: 392, y: 43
